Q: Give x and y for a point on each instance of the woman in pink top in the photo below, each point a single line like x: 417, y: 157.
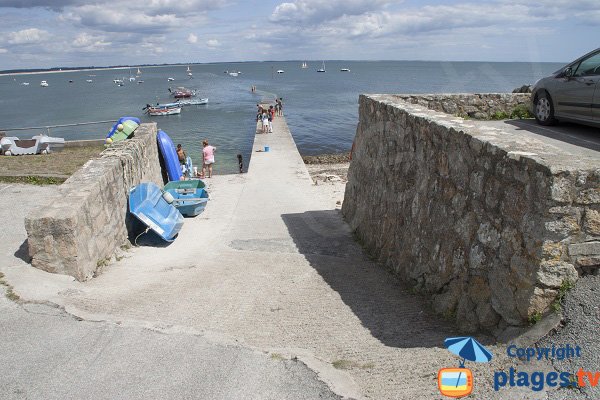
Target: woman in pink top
x: 208, y: 153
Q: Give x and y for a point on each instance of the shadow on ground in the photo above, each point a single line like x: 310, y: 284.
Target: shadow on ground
x: 22, y: 252
x: 577, y: 135
x: 383, y: 304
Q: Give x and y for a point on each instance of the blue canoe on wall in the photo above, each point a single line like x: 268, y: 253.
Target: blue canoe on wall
x: 146, y: 203
x: 169, y: 155
x: 190, y: 197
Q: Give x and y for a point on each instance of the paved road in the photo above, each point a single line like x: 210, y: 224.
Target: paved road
x: 47, y: 354
x: 574, y: 138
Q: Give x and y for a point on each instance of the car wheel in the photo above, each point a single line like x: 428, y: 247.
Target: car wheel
x: 544, y: 110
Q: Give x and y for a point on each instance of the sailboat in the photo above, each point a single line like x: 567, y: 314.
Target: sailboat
x: 322, y: 69
x: 131, y: 77
x: 304, y: 65
x: 189, y: 71
x: 138, y: 73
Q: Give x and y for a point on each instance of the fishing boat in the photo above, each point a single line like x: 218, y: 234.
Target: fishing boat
x: 182, y: 92
x: 192, y: 102
x: 39, y: 144
x: 148, y: 203
x: 304, y: 65
x: 157, y: 111
x: 44, y: 84
x: 322, y: 69
x: 189, y: 197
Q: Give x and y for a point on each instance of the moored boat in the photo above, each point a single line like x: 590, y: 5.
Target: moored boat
x: 39, y: 144
x: 44, y: 84
x: 189, y: 197
x: 192, y: 102
x: 156, y: 111
x: 148, y: 204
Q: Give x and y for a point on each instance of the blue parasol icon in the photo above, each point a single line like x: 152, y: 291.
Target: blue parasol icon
x: 468, y: 348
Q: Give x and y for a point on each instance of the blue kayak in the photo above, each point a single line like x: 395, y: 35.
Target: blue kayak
x: 190, y: 197
x: 146, y: 203
x: 169, y: 156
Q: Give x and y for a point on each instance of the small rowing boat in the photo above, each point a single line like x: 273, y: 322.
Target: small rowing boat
x: 189, y: 197
x: 156, y: 111
x: 192, y: 102
x: 148, y: 203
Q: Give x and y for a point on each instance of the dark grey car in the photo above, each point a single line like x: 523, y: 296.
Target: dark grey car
x: 570, y: 94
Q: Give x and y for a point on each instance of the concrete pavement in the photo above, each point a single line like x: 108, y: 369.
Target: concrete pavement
x: 270, y: 267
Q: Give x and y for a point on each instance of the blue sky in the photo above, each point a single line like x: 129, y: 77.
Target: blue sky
x: 47, y: 33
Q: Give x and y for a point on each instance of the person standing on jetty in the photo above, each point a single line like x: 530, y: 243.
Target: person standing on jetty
x: 208, y: 155
x: 265, y: 122
x: 279, y: 102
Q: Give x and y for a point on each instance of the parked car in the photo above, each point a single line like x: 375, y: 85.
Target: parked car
x: 570, y: 94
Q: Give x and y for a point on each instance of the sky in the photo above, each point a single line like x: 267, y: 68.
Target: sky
x: 51, y: 33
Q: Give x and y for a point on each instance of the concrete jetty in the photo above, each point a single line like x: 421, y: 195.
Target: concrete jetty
x: 270, y: 266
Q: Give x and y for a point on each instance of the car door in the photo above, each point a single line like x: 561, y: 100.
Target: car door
x: 596, y: 103
x: 574, y: 95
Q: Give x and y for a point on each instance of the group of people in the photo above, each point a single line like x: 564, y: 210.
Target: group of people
x: 208, y: 159
x: 266, y: 116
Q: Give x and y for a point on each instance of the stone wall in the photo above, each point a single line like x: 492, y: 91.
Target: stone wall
x: 489, y: 224
x: 476, y: 106
x: 86, y: 222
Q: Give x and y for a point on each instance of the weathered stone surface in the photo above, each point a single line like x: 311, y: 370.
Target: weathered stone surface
x: 86, y: 222
x: 490, y: 223
x: 585, y: 249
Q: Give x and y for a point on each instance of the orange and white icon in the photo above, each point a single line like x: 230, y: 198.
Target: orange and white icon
x: 455, y: 382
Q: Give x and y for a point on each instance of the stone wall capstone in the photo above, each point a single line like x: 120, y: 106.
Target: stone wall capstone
x: 86, y: 222
x: 488, y: 223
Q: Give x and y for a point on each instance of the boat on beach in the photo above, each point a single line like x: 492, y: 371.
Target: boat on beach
x: 189, y: 196
x: 39, y: 144
x: 148, y: 203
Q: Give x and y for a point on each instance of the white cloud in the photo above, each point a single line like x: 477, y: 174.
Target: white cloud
x: 315, y: 11
x: 192, y: 38
x: 2, y: 51
x: 213, y: 43
x: 86, y: 42
x: 28, y: 36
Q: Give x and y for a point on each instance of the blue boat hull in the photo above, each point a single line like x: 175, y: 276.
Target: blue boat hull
x: 147, y: 204
x: 169, y: 155
x: 189, y: 196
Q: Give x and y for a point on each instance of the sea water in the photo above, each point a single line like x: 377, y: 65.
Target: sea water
x: 321, y: 109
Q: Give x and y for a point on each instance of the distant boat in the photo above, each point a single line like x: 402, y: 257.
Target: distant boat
x: 131, y: 77
x: 89, y: 80
x: 44, y: 84
x: 192, y: 102
x: 233, y: 74
x: 322, y: 69
x: 189, y: 71
x: 163, y: 109
x: 304, y: 65
x: 118, y: 81
x: 140, y: 81
x: 345, y: 69
x: 280, y: 71
x: 70, y: 80
x: 138, y: 72
x: 170, y: 79
x: 25, y: 83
